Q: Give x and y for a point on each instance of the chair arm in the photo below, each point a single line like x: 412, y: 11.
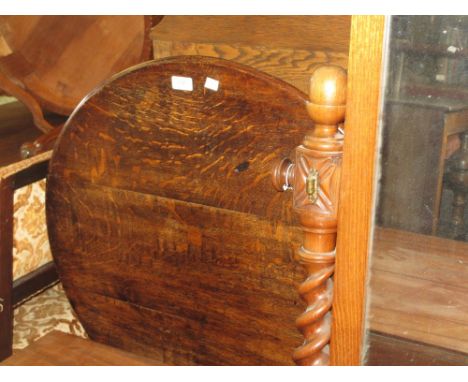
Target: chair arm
x: 13, y: 177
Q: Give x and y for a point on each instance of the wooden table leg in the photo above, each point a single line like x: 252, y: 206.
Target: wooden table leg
x: 315, y: 179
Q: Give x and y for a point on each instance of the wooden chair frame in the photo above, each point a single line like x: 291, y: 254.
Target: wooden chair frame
x: 14, y: 292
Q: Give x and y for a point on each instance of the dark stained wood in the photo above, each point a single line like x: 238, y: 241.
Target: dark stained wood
x: 167, y: 234
x: 10, y: 144
x: 196, y: 241
x: 18, y: 132
x: 385, y: 350
x: 60, y: 349
x: 457, y: 179
x: 13, y: 115
x: 152, y: 144
x: 413, y: 153
x: 16, y: 127
x: 34, y: 282
x: 30, y: 174
x: 6, y: 267
x: 8, y: 184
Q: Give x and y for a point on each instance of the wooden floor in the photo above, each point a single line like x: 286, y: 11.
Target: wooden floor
x: 60, y: 349
x: 386, y: 350
x: 419, y: 289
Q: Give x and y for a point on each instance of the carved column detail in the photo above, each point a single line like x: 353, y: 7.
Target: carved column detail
x: 314, y: 178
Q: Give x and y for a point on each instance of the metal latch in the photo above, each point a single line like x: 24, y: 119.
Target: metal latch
x: 312, y: 185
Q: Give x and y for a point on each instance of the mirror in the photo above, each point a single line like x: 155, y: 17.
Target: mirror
x: 417, y: 310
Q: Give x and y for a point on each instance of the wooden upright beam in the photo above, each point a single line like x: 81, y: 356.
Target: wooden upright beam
x: 6, y: 266
x: 357, y: 187
x: 11, y: 179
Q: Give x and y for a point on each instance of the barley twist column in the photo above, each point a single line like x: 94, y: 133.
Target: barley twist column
x: 314, y: 178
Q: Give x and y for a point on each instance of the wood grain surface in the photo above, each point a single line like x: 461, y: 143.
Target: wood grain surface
x: 314, y: 177
x: 288, y: 47
x: 294, y: 66
x: 418, y: 289
x: 59, y: 59
x: 168, y: 236
x: 314, y: 33
x: 387, y: 350
x: 357, y: 184
x: 60, y: 349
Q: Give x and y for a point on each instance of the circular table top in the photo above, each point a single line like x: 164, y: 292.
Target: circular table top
x: 166, y: 230
x: 59, y: 59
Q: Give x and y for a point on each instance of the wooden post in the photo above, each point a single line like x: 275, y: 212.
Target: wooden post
x: 6, y: 267
x: 28, y: 172
x: 315, y: 180
x: 357, y: 188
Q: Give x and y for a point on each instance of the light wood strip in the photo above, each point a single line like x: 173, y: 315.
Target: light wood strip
x: 362, y: 117
x: 301, y: 32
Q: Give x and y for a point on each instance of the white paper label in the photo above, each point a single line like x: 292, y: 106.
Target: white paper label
x: 182, y: 83
x: 211, y: 84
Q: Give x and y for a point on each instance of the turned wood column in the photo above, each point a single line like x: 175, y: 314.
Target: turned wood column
x: 314, y: 177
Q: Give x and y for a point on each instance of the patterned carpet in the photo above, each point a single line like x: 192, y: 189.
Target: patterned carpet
x: 50, y: 310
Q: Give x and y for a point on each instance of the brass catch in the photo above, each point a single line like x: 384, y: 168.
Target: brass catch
x: 312, y: 185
